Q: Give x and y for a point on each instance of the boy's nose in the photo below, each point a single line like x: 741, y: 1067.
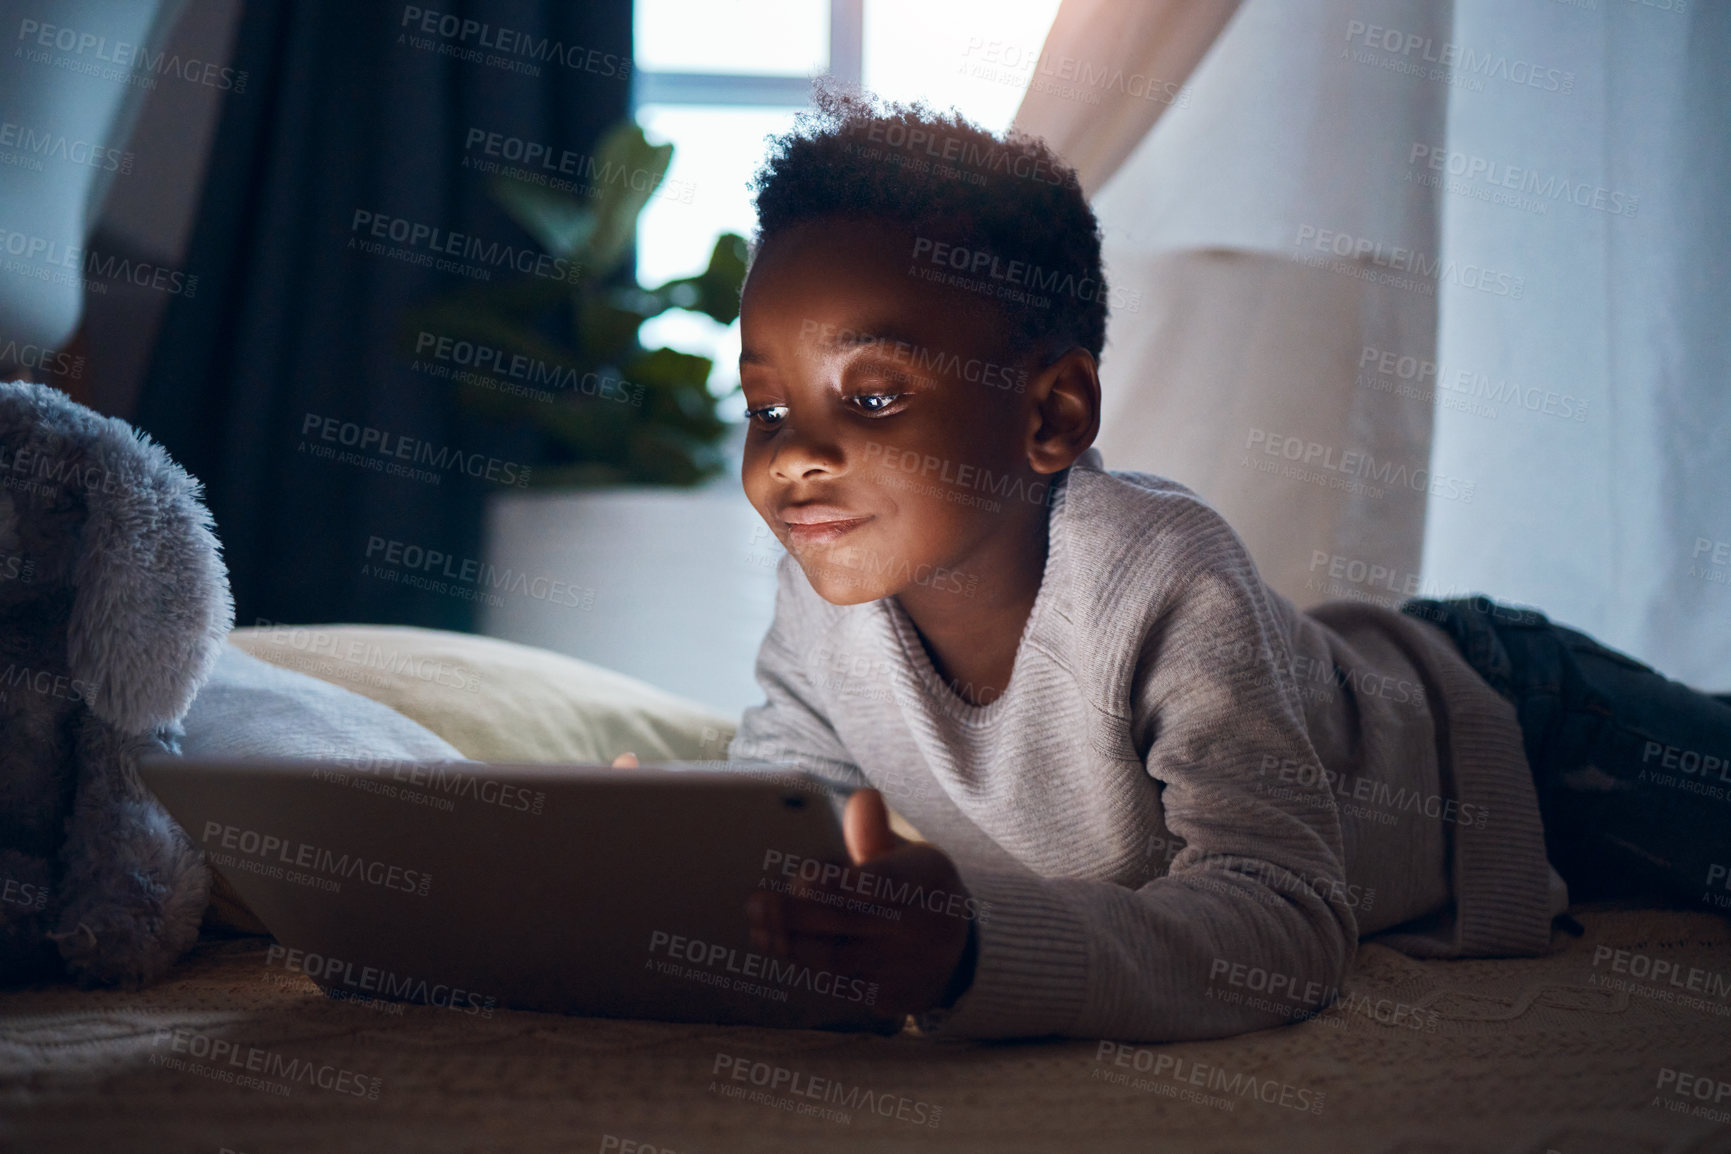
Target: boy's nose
x: 805, y: 458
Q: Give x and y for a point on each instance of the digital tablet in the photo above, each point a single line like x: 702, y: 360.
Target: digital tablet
x: 582, y: 889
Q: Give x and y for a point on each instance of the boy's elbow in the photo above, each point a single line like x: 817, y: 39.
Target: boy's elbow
x: 1338, y: 944
x: 1317, y: 967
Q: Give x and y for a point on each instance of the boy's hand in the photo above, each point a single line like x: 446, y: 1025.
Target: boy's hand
x: 913, y: 957
x: 625, y: 761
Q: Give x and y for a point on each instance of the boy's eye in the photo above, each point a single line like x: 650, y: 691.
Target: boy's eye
x: 763, y: 414
x: 868, y: 402
x: 877, y: 402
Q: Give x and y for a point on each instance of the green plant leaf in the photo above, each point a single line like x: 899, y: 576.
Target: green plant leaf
x: 664, y: 428
x: 609, y: 331
x: 715, y: 290
x: 671, y: 369
x: 627, y: 171
x: 561, y: 224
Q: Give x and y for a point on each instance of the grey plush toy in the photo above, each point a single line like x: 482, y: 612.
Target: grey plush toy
x: 114, y: 604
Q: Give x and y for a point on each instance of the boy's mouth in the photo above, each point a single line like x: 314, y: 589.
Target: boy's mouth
x: 818, y: 524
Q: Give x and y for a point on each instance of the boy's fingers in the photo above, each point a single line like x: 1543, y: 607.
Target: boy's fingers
x: 625, y: 761
x: 866, y: 827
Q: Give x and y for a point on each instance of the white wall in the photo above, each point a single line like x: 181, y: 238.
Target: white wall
x: 680, y: 583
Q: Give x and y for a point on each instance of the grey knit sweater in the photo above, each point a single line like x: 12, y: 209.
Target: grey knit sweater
x: 1191, y: 800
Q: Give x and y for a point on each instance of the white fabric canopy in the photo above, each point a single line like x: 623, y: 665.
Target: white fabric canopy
x: 1430, y: 299
x: 1611, y: 522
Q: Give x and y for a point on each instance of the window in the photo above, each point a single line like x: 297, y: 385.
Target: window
x: 716, y: 77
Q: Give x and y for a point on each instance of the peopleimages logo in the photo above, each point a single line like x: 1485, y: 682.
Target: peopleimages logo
x: 1201, y: 1074
x: 797, y: 1084
x: 17, y: 892
x: 331, y: 652
x: 1405, y: 375
x: 481, y: 578
x: 1545, y: 188
x: 746, y: 971
x: 1661, y: 971
x: 447, y: 779
x: 127, y: 63
x: 1455, y: 60
x: 541, y: 163
x: 822, y: 875
x: 442, y: 242
x: 1425, y: 269
x: 1040, y: 69
x: 925, y: 362
x: 1016, y: 272
x: 1702, y: 1088
x: 282, y: 852
x: 967, y: 153
x: 45, y: 259
x: 51, y: 468
x: 518, y: 366
x: 1349, y: 788
x: 1358, y: 465
x: 466, y: 39
x: 237, y: 1064
x: 960, y: 475
x: 30, y: 356
x: 383, y: 446
x: 45, y: 682
x: 373, y: 980
x: 34, y: 144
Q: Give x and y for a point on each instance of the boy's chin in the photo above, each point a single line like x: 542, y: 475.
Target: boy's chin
x: 841, y: 587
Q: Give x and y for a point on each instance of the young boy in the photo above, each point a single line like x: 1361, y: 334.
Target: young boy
x: 1160, y: 802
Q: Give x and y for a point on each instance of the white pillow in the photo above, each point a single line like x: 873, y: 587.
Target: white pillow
x: 250, y: 708
x: 496, y: 700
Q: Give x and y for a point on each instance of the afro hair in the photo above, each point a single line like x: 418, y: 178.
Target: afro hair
x: 997, y: 202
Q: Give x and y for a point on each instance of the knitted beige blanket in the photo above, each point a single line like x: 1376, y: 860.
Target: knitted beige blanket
x: 1617, y: 1041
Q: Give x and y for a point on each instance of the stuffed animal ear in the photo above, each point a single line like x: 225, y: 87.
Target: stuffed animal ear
x: 151, y: 603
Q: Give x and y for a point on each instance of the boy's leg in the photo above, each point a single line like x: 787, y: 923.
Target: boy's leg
x: 1632, y: 770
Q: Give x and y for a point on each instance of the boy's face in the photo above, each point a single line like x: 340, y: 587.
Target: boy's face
x: 889, y: 428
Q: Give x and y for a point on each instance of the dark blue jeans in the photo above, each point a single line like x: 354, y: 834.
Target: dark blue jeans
x: 1632, y: 769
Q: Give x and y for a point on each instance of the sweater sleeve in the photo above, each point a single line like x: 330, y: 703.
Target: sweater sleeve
x: 791, y: 725
x: 1252, y: 925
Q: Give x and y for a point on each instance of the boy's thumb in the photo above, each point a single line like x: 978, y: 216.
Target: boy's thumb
x: 866, y: 826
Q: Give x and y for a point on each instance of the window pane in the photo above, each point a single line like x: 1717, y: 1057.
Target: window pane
x: 716, y: 149
x: 766, y: 37
x: 974, y: 55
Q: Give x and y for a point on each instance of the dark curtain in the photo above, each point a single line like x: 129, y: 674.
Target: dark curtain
x: 347, y: 110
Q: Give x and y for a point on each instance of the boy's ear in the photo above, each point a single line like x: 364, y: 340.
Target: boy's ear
x: 1065, y: 415
x: 151, y: 604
